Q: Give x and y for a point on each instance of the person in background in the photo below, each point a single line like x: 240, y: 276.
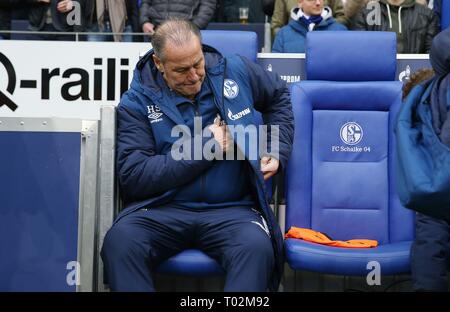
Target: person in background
x: 310, y: 15
x: 154, y: 12
x: 429, y: 250
x: 414, y: 24
x: 5, y: 17
x: 52, y: 15
x: 133, y: 7
x: 283, y: 9
x: 107, y: 16
x: 436, y: 6
x: 351, y: 8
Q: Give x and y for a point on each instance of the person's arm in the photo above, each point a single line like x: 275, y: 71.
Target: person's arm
x: 437, y: 8
x: 352, y: 7
x: 432, y: 30
x: 205, y: 13
x: 279, y: 18
x: 338, y: 12
x: 141, y: 171
x: 360, y: 21
x: 272, y: 98
x: 143, y: 12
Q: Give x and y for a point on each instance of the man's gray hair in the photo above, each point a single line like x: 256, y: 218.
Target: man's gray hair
x: 176, y: 31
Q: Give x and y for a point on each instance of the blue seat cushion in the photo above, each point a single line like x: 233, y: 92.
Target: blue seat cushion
x: 191, y: 262
x: 302, y: 255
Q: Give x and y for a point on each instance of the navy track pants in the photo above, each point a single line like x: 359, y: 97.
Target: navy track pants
x: 429, y: 254
x: 237, y: 238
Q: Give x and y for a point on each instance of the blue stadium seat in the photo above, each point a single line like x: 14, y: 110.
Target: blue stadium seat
x: 258, y: 28
x: 228, y: 42
x: 340, y: 179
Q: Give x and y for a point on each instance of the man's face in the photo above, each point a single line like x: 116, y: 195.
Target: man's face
x: 184, y: 67
x: 311, y: 7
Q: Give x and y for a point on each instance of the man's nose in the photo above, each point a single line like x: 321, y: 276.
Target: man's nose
x: 192, y: 75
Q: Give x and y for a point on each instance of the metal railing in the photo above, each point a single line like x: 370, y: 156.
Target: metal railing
x: 130, y: 36
x: 77, y: 35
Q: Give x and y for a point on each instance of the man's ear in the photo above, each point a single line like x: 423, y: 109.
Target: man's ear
x: 158, y: 63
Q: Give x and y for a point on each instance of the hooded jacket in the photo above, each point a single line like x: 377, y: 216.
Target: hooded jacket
x: 148, y: 174
x: 282, y: 11
x: 440, y: 96
x: 423, y: 139
x: 292, y: 37
x: 415, y: 24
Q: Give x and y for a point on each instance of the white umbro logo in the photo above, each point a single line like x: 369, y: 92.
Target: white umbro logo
x: 154, y: 113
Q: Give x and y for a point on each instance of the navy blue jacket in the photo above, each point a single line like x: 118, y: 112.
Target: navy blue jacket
x: 148, y: 174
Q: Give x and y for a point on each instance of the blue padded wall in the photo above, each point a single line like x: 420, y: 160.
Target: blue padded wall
x: 39, y: 190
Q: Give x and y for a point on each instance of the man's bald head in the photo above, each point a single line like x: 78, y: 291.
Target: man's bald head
x: 177, y: 32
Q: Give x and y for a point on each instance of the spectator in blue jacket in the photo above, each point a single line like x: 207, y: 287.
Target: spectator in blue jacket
x: 311, y: 15
x: 173, y: 203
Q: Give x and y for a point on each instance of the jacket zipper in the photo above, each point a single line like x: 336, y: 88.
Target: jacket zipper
x: 202, y: 181
x: 220, y: 106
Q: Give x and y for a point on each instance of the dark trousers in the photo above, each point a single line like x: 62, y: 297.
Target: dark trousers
x: 429, y: 254
x: 235, y: 237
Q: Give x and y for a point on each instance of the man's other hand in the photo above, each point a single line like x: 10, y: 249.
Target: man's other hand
x: 269, y: 166
x: 222, y: 136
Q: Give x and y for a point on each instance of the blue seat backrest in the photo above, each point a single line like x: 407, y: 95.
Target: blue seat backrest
x: 229, y: 42
x: 355, y: 56
x: 340, y: 177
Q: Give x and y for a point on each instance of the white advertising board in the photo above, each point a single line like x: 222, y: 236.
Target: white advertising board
x: 64, y: 79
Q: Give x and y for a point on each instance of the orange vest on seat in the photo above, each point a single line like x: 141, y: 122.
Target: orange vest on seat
x: 320, y: 238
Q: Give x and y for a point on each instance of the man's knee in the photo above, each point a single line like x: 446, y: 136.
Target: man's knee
x: 257, y: 243
x: 120, y: 243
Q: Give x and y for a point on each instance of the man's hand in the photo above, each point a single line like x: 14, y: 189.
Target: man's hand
x: 269, y: 166
x: 222, y: 136
x: 65, y: 6
x: 148, y: 28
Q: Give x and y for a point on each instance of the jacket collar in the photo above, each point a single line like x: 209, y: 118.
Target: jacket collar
x: 147, y: 80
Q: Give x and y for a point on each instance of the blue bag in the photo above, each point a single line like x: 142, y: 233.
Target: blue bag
x: 423, y: 161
